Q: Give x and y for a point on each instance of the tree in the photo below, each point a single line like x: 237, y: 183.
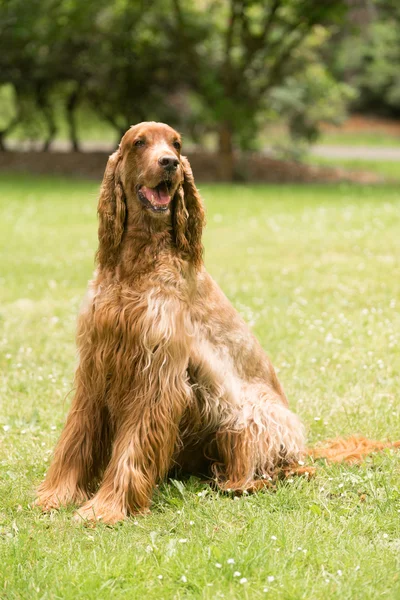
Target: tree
x: 131, y: 74
x: 114, y: 58
x: 367, y: 54
x: 40, y: 45
x: 251, y: 46
x: 221, y: 63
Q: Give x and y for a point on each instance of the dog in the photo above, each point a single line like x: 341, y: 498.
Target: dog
x: 169, y: 375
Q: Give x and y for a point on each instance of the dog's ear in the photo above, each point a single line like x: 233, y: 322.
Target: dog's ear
x: 188, y: 217
x: 111, y: 210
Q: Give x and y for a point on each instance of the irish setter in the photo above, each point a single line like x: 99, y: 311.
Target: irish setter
x: 169, y: 374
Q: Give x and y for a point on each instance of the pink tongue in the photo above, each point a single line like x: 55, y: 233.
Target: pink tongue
x: 157, y: 196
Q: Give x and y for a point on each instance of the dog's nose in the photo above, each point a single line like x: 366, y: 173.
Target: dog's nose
x: 168, y: 162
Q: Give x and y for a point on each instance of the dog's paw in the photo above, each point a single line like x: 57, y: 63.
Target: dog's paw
x: 52, y: 499
x: 47, y: 503
x: 94, y: 511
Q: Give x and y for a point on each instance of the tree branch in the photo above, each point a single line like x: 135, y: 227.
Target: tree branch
x: 183, y: 38
x: 254, y: 43
x: 279, y: 64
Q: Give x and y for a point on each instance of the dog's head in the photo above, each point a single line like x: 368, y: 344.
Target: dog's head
x: 148, y: 177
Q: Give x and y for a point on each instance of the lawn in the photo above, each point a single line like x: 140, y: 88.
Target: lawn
x: 387, y: 170
x: 315, y: 271
x: 364, y: 137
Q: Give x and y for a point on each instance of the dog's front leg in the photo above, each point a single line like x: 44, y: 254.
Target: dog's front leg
x: 85, y: 442
x: 141, y: 456
x: 147, y: 410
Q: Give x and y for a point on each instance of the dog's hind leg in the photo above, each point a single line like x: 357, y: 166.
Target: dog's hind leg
x: 259, y: 438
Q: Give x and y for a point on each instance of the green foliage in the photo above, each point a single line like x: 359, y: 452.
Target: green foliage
x: 114, y: 58
x: 370, y: 57
x: 310, y: 95
x: 214, y: 63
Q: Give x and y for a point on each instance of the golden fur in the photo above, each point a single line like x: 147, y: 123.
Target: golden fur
x: 169, y: 375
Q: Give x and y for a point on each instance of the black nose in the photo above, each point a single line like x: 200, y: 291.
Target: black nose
x: 168, y: 162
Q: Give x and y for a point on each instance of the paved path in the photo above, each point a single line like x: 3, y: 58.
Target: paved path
x: 357, y: 152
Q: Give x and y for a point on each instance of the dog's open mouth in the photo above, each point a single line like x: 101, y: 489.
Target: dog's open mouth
x: 157, y: 198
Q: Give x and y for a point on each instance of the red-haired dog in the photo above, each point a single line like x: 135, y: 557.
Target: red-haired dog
x: 169, y: 374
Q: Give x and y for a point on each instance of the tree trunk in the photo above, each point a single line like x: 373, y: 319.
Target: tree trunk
x: 51, y: 128
x: 225, y: 150
x: 71, y: 105
x: 44, y: 105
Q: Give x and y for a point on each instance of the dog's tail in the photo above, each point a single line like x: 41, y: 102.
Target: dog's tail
x: 351, y: 450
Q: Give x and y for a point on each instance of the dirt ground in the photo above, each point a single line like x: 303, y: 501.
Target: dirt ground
x: 254, y: 167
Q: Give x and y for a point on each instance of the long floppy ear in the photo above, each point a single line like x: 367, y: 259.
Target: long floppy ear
x: 188, y: 218
x: 111, y: 210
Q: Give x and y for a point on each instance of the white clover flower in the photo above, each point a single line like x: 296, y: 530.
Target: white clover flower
x: 184, y: 579
x: 218, y: 565
x: 270, y: 578
x: 243, y: 580
x: 231, y: 561
x: 273, y: 537
x: 159, y: 576
x: 237, y: 574
x: 340, y: 573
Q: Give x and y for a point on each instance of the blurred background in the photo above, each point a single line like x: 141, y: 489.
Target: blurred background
x: 261, y: 89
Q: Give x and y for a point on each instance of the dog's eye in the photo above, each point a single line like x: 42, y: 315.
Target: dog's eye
x: 139, y: 143
x: 177, y: 145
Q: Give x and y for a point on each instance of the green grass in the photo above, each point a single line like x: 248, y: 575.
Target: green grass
x: 360, y: 138
x: 277, y: 133
x: 389, y: 170
x: 315, y: 270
